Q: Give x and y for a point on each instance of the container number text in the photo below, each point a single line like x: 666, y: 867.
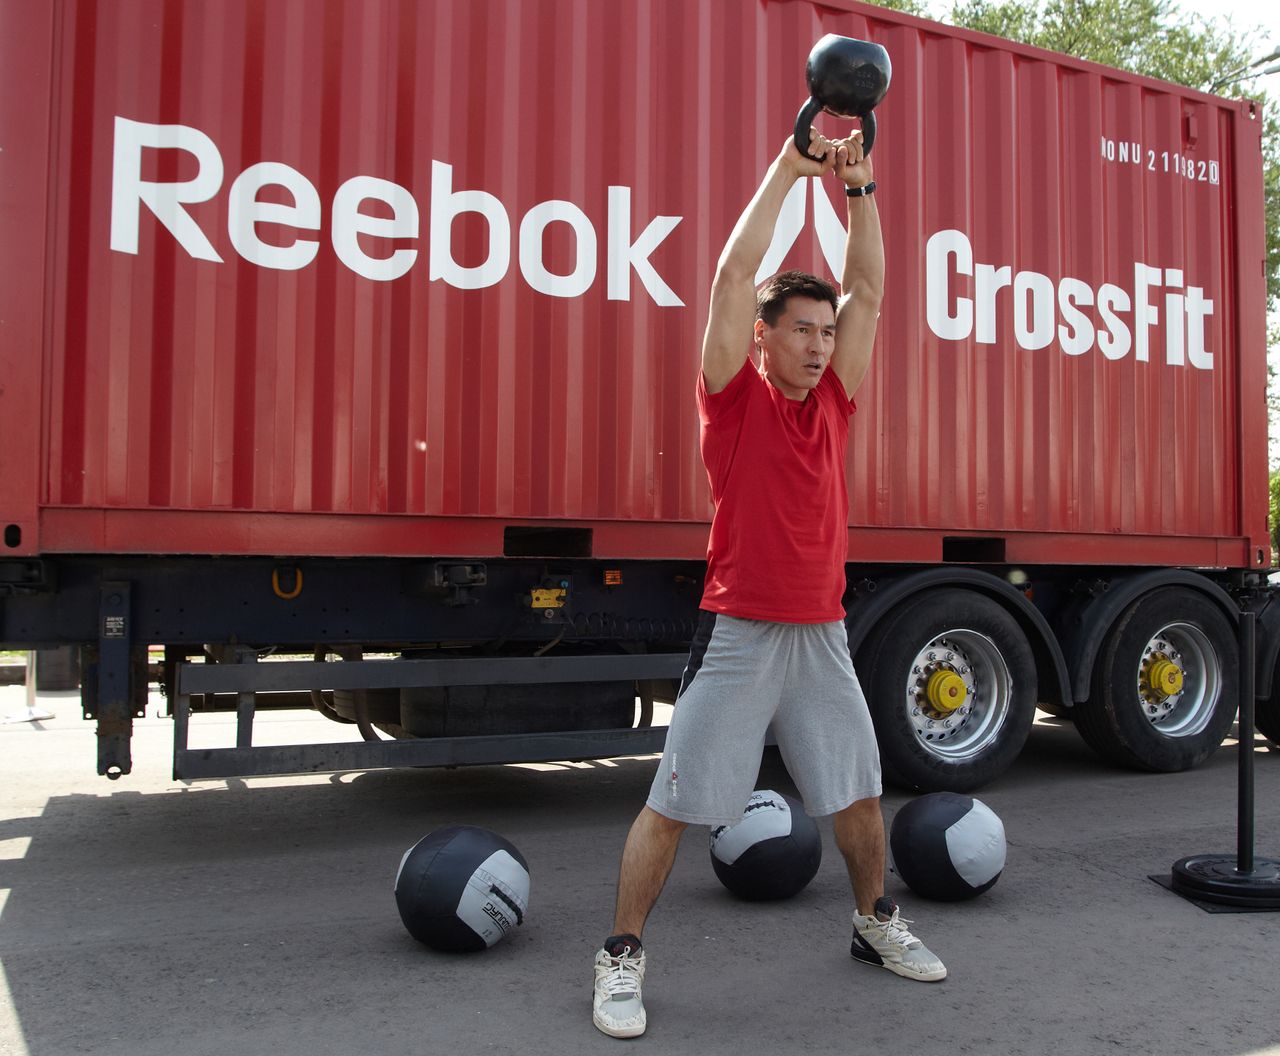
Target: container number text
x: 1193, y: 170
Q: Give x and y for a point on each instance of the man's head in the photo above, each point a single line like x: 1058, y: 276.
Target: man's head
x: 795, y: 331
x: 772, y: 297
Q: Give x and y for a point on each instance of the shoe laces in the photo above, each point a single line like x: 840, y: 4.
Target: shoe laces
x: 896, y: 931
x: 619, y: 975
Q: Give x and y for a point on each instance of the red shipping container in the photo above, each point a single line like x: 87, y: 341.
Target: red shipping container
x: 388, y: 277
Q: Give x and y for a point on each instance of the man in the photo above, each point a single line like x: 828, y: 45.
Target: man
x: 771, y: 644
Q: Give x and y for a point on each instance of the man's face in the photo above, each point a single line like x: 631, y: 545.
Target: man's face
x: 796, y: 350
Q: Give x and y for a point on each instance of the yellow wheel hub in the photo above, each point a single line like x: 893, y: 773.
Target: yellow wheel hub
x: 1165, y: 677
x: 946, y: 692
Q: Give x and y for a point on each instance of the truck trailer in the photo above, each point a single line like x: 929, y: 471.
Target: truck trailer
x: 348, y: 352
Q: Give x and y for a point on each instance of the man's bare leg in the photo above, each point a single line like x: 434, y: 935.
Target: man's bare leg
x: 647, y: 858
x: 879, y: 938
x: 617, y: 1004
x: 860, y: 837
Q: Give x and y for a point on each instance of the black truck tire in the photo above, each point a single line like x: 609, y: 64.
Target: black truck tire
x: 951, y: 683
x: 1164, y: 688
x: 1266, y: 712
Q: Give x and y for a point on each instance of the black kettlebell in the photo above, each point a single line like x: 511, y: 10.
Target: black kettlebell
x: 847, y: 78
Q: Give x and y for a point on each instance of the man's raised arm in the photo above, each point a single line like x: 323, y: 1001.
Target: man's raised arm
x: 862, y: 283
x: 733, y: 293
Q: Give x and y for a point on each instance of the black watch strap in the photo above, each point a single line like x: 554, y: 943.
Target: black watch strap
x: 861, y: 192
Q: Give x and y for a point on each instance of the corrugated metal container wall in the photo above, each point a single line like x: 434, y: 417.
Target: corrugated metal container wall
x: 481, y: 292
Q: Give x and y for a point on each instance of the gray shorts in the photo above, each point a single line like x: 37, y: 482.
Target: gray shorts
x: 743, y: 675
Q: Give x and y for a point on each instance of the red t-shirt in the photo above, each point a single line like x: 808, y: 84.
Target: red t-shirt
x: 780, y: 534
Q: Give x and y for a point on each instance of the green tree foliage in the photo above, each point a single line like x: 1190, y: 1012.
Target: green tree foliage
x: 1150, y: 37
x: 1271, y: 190
x: 1273, y: 407
x: 911, y: 7
x: 1273, y: 516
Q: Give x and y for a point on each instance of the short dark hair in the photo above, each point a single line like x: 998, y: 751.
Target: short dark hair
x: 772, y: 297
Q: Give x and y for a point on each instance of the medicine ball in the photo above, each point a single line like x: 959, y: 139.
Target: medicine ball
x: 771, y: 853
x: 947, y: 847
x: 462, y: 889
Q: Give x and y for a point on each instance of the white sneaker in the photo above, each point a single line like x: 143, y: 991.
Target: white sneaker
x: 617, y: 1008
x: 883, y: 939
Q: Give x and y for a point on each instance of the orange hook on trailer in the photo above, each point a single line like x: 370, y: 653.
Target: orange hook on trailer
x: 297, y: 584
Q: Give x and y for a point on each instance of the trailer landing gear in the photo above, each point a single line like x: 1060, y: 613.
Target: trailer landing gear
x: 114, y: 683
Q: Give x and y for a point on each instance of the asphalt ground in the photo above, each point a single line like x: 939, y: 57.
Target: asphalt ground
x: 148, y: 916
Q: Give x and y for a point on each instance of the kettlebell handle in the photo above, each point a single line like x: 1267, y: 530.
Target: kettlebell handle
x: 804, y: 124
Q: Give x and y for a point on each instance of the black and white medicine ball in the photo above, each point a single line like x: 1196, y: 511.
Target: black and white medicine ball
x: 947, y: 846
x: 462, y: 888
x: 771, y: 853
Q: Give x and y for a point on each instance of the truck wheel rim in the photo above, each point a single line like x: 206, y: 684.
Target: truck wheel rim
x: 1179, y: 680
x: 945, y: 730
